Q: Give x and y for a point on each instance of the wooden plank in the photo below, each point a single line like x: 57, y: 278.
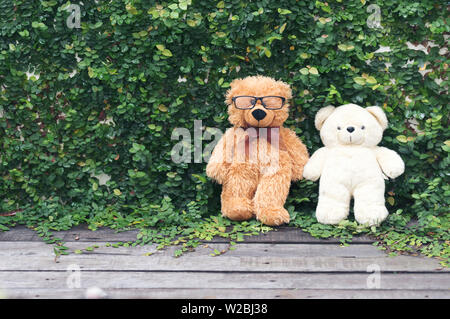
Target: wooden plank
x: 19, y: 233
x: 229, y: 293
x: 81, y: 233
x: 229, y: 280
x: 246, y: 257
x: 9, y: 249
x: 221, y: 263
x: 286, y: 234
x: 77, y: 233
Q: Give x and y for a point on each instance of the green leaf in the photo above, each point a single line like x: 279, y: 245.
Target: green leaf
x: 371, y: 80
x: 90, y: 72
x: 305, y: 55
x: 163, y: 108
x: 183, y: 5
x: 200, y: 178
x: 191, y: 23
x: 360, y: 80
x: 166, y: 52
x: 313, y: 71
x: 391, y: 200
x: 402, y: 138
x: 284, y: 11
x: 304, y: 71
x: 345, y: 47
x: 132, y: 10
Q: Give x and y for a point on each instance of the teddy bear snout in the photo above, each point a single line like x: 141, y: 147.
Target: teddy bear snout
x: 350, y: 129
x: 259, y: 114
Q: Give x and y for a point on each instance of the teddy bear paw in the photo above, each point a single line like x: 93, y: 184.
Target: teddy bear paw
x: 331, y: 215
x: 371, y: 215
x: 394, y: 172
x: 237, y: 208
x: 310, y: 173
x: 273, y: 216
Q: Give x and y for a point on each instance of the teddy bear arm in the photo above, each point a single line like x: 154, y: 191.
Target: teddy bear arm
x: 297, y: 152
x: 390, y: 162
x: 313, y: 168
x: 217, y: 167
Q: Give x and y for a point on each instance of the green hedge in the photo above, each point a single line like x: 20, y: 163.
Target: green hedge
x: 155, y: 66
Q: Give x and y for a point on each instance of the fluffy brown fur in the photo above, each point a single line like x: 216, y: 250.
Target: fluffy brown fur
x: 256, y: 171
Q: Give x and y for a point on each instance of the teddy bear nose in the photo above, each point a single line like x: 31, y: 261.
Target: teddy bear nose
x: 259, y: 114
x: 350, y: 129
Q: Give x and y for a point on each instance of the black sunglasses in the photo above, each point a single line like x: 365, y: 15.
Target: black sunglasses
x: 247, y: 102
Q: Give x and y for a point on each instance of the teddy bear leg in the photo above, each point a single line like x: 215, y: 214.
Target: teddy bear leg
x: 238, y: 191
x: 369, y: 203
x: 270, y: 197
x: 333, y: 205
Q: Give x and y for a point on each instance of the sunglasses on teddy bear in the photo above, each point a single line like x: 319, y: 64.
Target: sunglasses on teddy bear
x: 247, y: 102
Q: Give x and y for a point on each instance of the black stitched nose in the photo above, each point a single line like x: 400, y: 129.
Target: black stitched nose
x: 259, y: 114
x: 350, y: 129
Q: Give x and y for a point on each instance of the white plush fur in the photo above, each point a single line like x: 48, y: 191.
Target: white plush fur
x: 351, y: 164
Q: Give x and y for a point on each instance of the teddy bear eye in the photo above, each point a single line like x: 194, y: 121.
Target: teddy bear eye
x: 339, y: 127
x: 363, y: 127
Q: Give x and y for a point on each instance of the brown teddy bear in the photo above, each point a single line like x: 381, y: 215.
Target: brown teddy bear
x: 256, y: 159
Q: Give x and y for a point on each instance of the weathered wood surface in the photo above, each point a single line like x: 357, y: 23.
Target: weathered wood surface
x: 82, y: 233
x: 193, y: 293
x: 246, y: 257
x: 222, y: 280
x: 282, y: 264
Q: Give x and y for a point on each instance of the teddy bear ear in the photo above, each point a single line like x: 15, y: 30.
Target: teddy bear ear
x: 235, y: 82
x: 230, y: 91
x: 379, y: 115
x: 322, y: 115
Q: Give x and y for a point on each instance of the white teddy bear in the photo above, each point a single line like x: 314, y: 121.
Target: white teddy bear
x: 351, y: 164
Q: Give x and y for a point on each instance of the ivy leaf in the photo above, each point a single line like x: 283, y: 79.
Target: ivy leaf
x: 131, y: 9
x: 166, y: 52
x: 345, y: 47
x: 313, y: 71
x: 360, y: 80
x: 163, y: 108
x: 371, y: 80
x: 304, y: 71
x: 391, y: 200
x: 402, y: 138
x: 284, y: 11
